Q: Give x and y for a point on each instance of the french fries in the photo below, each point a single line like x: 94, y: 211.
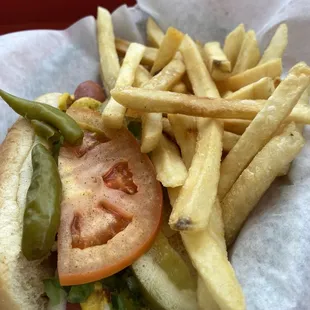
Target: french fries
x: 229, y: 140
x: 167, y: 128
x: 249, y: 54
x: 197, y: 72
x: 180, y: 88
x: 233, y: 44
x: 262, y: 89
x: 263, y: 126
x: 185, y: 132
x: 192, y: 209
x: 237, y: 126
x: 170, y: 169
x: 142, y: 76
x: 276, y: 46
x: 154, y: 34
x: 204, y: 298
x: 152, y: 122
x: 214, y: 269
x: 114, y: 113
x: 167, y: 49
x: 240, y: 106
x: 257, y: 177
x: 148, y: 56
x: 272, y: 69
x: 173, y: 103
x: 109, y: 64
x: 216, y: 58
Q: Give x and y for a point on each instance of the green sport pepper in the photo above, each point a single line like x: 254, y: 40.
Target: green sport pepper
x: 42, y: 213
x: 46, y: 113
x: 45, y: 131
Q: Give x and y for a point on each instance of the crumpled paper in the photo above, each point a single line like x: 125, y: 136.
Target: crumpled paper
x: 272, y: 251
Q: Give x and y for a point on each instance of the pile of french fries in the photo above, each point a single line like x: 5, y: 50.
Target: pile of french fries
x: 219, y: 125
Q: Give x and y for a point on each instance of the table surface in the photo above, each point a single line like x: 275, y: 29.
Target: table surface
x: 17, y: 15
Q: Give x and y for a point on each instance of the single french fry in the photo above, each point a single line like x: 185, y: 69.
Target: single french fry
x: 277, y: 45
x: 214, y: 269
x: 152, y: 122
x: 257, y: 177
x: 204, y: 297
x: 262, y: 127
x: 185, y: 132
x: 167, y: 128
x: 168, y: 48
x: 154, y: 34
x: 262, y: 89
x: 171, y: 74
x: 229, y: 140
x: 148, y: 56
x: 142, y: 76
x: 180, y: 88
x: 233, y: 44
x: 216, y: 231
x: 170, y: 169
x: 114, y: 113
x: 237, y: 126
x: 109, y: 64
x: 192, y: 209
x: 173, y: 103
x: 216, y: 58
x: 303, y: 101
x: 249, y: 54
x: 272, y: 69
x: 197, y: 72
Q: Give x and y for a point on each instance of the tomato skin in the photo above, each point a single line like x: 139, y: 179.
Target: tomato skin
x: 137, y: 207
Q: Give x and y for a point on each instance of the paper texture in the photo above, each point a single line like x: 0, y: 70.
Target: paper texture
x: 272, y: 252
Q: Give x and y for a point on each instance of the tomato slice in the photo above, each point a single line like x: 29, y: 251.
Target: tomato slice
x: 112, y: 202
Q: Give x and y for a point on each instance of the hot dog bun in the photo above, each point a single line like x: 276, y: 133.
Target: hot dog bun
x: 21, y: 281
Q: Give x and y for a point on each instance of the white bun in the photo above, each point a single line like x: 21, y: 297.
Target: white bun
x: 21, y: 281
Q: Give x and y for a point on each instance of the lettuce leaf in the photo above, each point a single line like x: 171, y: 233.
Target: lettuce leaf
x: 53, y: 290
x: 80, y: 293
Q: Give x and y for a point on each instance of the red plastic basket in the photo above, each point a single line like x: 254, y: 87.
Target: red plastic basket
x: 16, y: 15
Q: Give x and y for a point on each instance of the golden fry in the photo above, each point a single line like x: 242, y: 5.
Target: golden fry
x: 142, y: 76
x: 197, y: 72
x: 185, y: 131
x: 272, y: 69
x: 262, y: 89
x: 214, y: 269
x: 249, y: 53
x: 229, y: 140
x: 152, y: 122
x: 233, y: 44
x: 192, y: 209
x: 114, y: 113
x: 237, y: 126
x: 109, y: 64
x: 155, y: 35
x: 180, y: 88
x: 216, y: 58
x: 148, y: 56
x: 262, y: 127
x: 257, y: 177
x: 168, y: 48
x: 173, y: 103
x: 170, y: 169
x: 167, y: 128
x: 276, y: 46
